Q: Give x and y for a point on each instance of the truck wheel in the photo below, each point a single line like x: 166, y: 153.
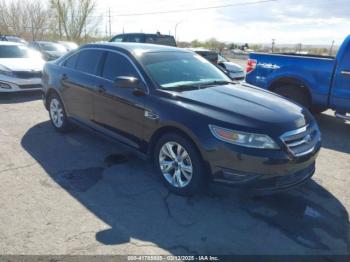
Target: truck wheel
x: 179, y: 164
x: 294, y: 93
x: 318, y: 110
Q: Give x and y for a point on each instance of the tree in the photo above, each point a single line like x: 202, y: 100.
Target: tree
x: 23, y: 18
x: 74, y: 17
x: 38, y: 18
x: 196, y: 43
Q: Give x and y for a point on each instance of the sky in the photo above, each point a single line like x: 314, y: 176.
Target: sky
x: 287, y: 21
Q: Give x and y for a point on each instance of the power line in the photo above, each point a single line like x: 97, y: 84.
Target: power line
x: 196, y: 9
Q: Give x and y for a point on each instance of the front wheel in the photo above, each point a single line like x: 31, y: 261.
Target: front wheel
x: 179, y: 165
x: 58, y: 114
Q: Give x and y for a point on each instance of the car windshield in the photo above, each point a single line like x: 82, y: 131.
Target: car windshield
x: 222, y: 59
x: 16, y: 39
x: 53, y: 47
x: 17, y: 51
x: 69, y: 45
x: 172, y: 70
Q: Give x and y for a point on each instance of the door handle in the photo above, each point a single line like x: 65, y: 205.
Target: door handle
x: 345, y: 73
x: 101, y: 89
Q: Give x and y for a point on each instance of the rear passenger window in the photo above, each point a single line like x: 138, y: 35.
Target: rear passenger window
x: 117, y: 39
x: 88, y: 61
x: 117, y: 65
x: 134, y: 39
x: 71, y: 61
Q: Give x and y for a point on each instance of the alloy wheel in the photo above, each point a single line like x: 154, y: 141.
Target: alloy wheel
x: 56, y: 112
x: 175, y: 164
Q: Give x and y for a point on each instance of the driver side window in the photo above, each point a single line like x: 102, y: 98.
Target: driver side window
x: 117, y: 65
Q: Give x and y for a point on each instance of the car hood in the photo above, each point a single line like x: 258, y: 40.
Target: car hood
x: 23, y: 64
x: 243, y: 106
x: 232, y: 67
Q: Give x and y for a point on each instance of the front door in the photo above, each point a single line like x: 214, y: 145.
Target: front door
x: 340, y: 94
x: 118, y: 109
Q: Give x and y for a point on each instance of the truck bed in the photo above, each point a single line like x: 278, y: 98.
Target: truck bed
x: 312, y: 71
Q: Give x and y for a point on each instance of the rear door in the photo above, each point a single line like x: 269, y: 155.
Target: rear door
x: 79, y: 83
x: 340, y: 94
x: 120, y: 110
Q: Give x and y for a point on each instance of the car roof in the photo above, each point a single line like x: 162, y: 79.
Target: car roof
x: 44, y: 42
x: 201, y: 49
x: 8, y: 43
x: 126, y: 34
x: 135, y: 48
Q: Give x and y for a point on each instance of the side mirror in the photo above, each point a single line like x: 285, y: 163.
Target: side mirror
x: 127, y: 82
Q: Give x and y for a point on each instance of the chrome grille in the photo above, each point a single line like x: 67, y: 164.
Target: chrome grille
x: 302, y: 141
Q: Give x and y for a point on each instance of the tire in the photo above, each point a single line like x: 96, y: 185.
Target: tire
x: 57, y: 114
x: 175, y: 171
x: 294, y: 93
x: 318, y: 110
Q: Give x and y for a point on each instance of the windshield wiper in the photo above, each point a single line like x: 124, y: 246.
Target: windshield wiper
x: 185, y: 87
x: 217, y: 82
x: 182, y: 87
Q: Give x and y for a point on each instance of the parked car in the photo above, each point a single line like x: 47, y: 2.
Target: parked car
x: 158, y: 39
x: 70, y: 46
x: 20, y: 68
x: 13, y: 38
x: 234, y: 71
x: 177, y: 108
x: 49, y: 50
x: 315, y: 82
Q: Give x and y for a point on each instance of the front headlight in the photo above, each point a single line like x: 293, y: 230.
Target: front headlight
x: 243, y: 138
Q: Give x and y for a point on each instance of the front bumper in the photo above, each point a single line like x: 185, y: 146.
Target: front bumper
x: 11, y: 84
x: 262, y: 170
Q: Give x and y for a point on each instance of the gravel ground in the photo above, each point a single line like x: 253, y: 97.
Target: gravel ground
x: 80, y: 194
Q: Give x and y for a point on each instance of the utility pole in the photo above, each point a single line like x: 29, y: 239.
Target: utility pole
x: 331, y: 50
x: 106, y: 30
x: 110, y: 22
x: 177, y: 24
x: 273, y: 45
x: 300, y: 47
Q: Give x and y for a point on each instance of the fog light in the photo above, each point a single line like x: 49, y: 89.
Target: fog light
x: 4, y: 86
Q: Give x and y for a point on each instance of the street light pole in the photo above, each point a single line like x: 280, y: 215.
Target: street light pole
x: 177, y: 24
x: 331, y: 50
x: 273, y: 45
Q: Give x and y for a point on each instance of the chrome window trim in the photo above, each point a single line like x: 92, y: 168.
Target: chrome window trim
x: 107, y: 50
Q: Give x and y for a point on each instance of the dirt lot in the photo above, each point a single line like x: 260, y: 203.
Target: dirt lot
x: 80, y: 194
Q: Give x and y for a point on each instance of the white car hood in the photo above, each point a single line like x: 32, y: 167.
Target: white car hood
x: 232, y: 67
x: 22, y: 64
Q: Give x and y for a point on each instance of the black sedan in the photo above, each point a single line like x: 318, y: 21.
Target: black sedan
x: 185, y: 114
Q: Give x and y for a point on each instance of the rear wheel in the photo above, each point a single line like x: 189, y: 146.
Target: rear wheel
x: 294, y: 93
x: 58, y: 114
x: 179, y: 164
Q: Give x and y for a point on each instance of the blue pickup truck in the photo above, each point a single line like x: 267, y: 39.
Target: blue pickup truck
x: 316, y: 82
